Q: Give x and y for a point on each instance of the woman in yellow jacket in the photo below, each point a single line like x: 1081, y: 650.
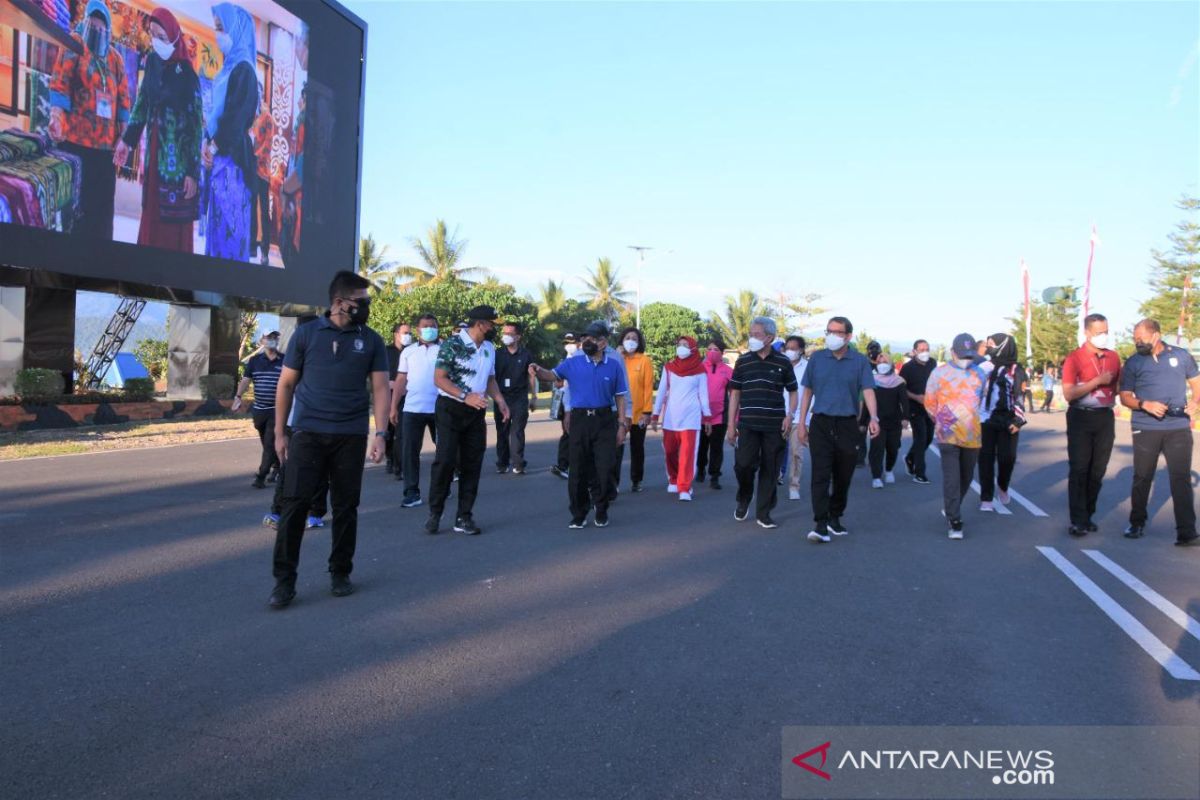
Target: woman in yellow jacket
x: 640, y: 370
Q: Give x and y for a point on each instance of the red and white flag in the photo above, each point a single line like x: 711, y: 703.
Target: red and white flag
x: 1085, y: 309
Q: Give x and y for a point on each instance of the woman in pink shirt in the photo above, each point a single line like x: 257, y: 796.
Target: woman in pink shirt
x: 712, y: 445
x: 682, y: 405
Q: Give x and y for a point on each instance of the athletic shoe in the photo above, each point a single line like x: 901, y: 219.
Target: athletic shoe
x: 779, y: 482
x: 431, y: 524
x: 340, y: 585
x: 767, y: 522
x: 1191, y: 541
x: 518, y: 470
x: 1135, y: 531
x: 501, y: 470
x: 921, y: 479
x: 685, y: 496
x: 271, y: 521
x: 577, y: 523
x: 793, y: 494
x: 562, y: 473
x: 1091, y: 527
x: 956, y: 529
x: 986, y: 505
x: 411, y: 502
x: 908, y: 464
x: 819, y: 534
x: 836, y: 527
x: 314, y: 522
x: 1077, y: 531
x: 672, y: 489
x: 602, y: 519
x: 876, y: 484
x: 714, y: 483
x: 259, y: 483
x: 889, y: 477
x: 637, y: 488
x: 1002, y: 496
x: 741, y: 512
x: 465, y: 524
x: 273, y: 477
x: 282, y: 596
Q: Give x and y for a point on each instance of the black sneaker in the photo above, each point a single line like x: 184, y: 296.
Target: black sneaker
x: 431, y: 524
x: 259, y: 483
x: 742, y: 512
x: 340, y: 585
x: 577, y: 523
x: 283, y: 595
x: 636, y: 488
x: 908, y: 464
x: 836, y: 527
x: 501, y: 470
x: 560, y: 472
x: 1135, y: 531
x: 715, y: 484
x: 602, y: 519
x: 1091, y: 527
x: 518, y: 470
x: 956, y: 529
x: 273, y: 477
x: 921, y: 479
x: 767, y: 522
x: 1191, y: 541
x: 466, y: 525
x: 819, y: 534
x: 411, y: 502
x: 1077, y: 531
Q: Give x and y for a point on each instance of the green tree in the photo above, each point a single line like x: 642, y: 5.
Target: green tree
x: 604, y: 291
x: 734, y: 325
x: 1172, y: 267
x: 152, y: 353
x: 440, y: 258
x: 552, y: 299
x: 1055, y: 328
x: 662, y: 325
x: 793, y: 313
x: 373, y: 266
x: 248, y: 326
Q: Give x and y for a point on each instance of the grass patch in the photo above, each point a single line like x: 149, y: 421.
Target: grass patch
x: 126, y: 436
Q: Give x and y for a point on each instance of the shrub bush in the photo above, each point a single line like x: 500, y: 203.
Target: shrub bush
x: 139, y: 389
x: 216, y: 387
x: 37, y: 384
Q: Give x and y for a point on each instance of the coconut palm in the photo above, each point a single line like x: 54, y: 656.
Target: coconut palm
x: 372, y: 264
x: 604, y: 292
x: 553, y: 300
x: 440, y: 257
x: 740, y: 311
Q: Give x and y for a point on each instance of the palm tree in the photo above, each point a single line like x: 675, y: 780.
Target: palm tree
x: 605, y: 293
x: 440, y: 255
x: 553, y: 299
x: 372, y: 266
x: 740, y: 311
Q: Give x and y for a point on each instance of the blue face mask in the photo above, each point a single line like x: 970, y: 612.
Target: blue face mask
x: 429, y: 334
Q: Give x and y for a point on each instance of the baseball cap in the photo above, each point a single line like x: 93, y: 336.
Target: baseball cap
x: 964, y: 345
x: 485, y: 313
x: 568, y: 338
x: 597, y: 330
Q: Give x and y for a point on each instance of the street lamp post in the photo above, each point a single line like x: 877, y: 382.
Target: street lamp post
x: 641, y: 251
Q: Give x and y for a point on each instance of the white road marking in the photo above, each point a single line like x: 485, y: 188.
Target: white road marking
x: 1029, y: 505
x: 1172, y: 663
x: 1177, y: 614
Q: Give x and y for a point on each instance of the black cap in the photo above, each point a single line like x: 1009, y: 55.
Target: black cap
x: 272, y: 335
x: 484, y: 313
x: 874, y: 349
x: 569, y: 338
x: 597, y: 330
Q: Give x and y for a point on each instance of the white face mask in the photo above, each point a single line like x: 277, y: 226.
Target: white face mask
x: 571, y: 349
x: 793, y: 355
x: 405, y: 339
x: 224, y: 42
x: 683, y: 351
x: 630, y: 345
x: 923, y: 357
x: 1100, y: 341
x: 508, y: 340
x: 164, y: 50
x: 987, y: 367
x: 756, y: 344
x: 964, y: 362
x: 884, y: 368
x: 834, y: 342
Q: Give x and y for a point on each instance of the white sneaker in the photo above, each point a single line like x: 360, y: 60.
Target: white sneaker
x: 672, y: 489
x: 816, y: 537
x: 686, y: 496
x: 956, y: 534
x: 793, y: 494
x: 986, y: 506
x: 1002, y: 496
x: 877, y: 484
x: 889, y: 477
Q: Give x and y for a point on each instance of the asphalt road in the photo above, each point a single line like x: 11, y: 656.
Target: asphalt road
x: 657, y: 658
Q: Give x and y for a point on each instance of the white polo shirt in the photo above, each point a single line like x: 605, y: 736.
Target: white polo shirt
x: 417, y: 362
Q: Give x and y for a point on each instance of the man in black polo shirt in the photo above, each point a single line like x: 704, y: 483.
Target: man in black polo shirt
x: 759, y: 420
x: 1154, y: 383
x: 512, y: 376
x: 263, y: 369
x: 916, y: 374
x: 326, y: 370
x: 836, y: 377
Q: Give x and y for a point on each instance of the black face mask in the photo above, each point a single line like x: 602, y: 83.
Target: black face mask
x: 1144, y: 349
x: 591, y: 348
x: 360, y: 313
x: 490, y: 336
x: 94, y: 39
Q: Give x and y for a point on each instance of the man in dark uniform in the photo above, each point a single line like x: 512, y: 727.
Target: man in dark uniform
x: 597, y: 382
x: 512, y: 376
x: 263, y: 369
x: 328, y: 364
x: 915, y: 373
x: 401, y: 338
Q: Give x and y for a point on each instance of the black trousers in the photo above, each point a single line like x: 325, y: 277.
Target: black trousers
x: 313, y: 458
x: 637, y: 457
x: 922, y: 437
x: 1048, y: 399
x: 592, y: 451
x: 564, y: 446
x: 1090, y: 437
x: 412, y: 433
x: 756, y: 460
x: 260, y: 216
x: 711, y: 452
x: 997, y: 458
x: 264, y: 423
x: 886, y: 444
x: 97, y: 192
x: 833, y: 444
x: 461, y: 443
x: 1176, y: 445
x: 510, y: 436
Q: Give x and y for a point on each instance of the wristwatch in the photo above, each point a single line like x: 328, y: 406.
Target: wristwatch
x: 462, y: 398
x: 381, y: 433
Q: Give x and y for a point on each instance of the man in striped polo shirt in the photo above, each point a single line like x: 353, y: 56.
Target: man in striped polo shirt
x: 760, y: 420
x: 263, y: 369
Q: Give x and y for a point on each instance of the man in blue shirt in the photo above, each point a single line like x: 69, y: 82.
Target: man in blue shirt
x: 1154, y: 384
x: 263, y: 369
x: 598, y: 384
x: 327, y: 366
x: 836, y: 377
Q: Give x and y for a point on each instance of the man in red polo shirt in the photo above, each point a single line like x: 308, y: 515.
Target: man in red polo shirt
x: 1090, y: 377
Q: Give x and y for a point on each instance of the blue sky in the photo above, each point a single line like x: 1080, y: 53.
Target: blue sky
x: 898, y: 158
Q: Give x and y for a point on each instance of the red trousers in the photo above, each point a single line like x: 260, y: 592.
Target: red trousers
x: 681, y: 458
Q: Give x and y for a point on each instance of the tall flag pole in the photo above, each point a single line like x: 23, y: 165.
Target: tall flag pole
x: 1187, y: 288
x: 1028, y: 315
x: 1085, y: 309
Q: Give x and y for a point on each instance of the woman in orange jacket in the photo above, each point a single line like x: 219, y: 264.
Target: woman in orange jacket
x: 640, y: 370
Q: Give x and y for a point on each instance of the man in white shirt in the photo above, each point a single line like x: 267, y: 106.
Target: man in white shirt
x: 794, y: 349
x: 415, y: 388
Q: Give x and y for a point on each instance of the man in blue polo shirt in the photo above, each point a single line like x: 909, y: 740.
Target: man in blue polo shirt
x: 1154, y: 384
x: 325, y: 371
x: 836, y: 377
x: 598, y: 385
